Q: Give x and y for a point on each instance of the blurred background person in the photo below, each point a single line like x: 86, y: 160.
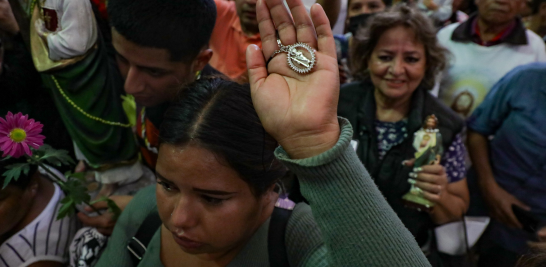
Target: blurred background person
x: 397, y: 57
x: 358, y: 13
x: 30, y: 235
x: 535, y: 20
x: 508, y: 171
x: 236, y: 28
x: 485, y: 47
x: 438, y: 10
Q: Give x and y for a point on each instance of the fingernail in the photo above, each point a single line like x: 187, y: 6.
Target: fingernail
x: 411, y: 181
x: 254, y: 47
x: 418, y: 169
x: 404, y: 162
x: 413, y: 175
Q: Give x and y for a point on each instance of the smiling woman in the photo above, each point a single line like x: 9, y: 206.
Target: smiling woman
x: 398, y: 56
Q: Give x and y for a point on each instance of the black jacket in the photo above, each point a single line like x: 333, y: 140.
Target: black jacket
x: 357, y: 104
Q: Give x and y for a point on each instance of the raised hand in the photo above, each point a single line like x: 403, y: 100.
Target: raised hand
x: 298, y: 110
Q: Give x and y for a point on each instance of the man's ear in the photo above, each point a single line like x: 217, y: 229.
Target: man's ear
x: 202, y: 59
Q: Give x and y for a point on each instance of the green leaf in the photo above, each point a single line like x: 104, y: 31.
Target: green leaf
x: 74, y: 188
x: 13, y: 171
x: 48, y: 154
x: 112, y: 206
x: 68, y: 208
x: 78, y: 175
x: 6, y: 158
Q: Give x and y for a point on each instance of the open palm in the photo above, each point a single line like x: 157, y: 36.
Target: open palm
x: 298, y: 110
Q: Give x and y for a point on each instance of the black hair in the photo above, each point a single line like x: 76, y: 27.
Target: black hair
x: 218, y: 115
x: 183, y: 27
x: 535, y: 5
x: 24, y: 179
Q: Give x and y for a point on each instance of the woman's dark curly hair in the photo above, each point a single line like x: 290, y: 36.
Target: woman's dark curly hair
x: 366, y: 39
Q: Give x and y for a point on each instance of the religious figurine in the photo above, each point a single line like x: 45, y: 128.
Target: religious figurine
x: 428, y: 145
x: 70, y: 54
x: 300, y: 58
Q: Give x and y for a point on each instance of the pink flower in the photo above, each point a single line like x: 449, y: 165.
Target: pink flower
x: 17, y: 133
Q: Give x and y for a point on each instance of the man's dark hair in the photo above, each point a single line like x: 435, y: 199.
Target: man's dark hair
x: 218, y: 115
x: 24, y: 180
x: 183, y: 27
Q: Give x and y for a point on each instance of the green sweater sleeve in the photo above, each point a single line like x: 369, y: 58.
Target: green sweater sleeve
x: 357, y: 225
x: 116, y: 253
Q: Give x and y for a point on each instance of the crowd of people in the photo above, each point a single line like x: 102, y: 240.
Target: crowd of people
x: 279, y: 132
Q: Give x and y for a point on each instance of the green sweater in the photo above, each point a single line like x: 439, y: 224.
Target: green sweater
x: 349, y: 223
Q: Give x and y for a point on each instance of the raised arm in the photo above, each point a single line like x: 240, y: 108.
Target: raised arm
x: 357, y: 225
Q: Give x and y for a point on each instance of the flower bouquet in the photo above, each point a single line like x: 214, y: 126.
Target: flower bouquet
x: 20, y: 137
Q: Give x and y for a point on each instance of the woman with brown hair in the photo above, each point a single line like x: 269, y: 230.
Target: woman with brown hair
x: 397, y: 58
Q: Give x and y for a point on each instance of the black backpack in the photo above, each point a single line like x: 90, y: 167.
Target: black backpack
x: 275, y: 240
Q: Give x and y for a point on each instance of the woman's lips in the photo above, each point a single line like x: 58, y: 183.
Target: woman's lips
x: 395, y: 83
x: 186, y: 242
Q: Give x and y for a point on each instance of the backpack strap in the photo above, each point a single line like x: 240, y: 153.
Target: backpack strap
x: 137, y: 245
x: 278, y: 256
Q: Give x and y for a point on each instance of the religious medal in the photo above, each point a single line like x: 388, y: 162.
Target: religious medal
x: 301, y: 57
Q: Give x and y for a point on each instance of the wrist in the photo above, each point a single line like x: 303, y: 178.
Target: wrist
x: 310, y: 145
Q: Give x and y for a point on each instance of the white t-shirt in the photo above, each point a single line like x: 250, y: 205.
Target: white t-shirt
x: 474, y: 69
x: 44, y: 239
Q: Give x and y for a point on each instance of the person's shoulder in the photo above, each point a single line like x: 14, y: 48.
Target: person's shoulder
x: 143, y: 203
x: 535, y: 41
x: 303, y: 236
x: 50, y: 236
x: 350, y: 91
x: 224, y: 8
x: 353, y: 88
x: 445, y: 33
x: 350, y: 97
x: 143, y: 196
x: 528, y: 74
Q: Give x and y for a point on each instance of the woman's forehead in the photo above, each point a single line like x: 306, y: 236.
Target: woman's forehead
x: 195, y: 166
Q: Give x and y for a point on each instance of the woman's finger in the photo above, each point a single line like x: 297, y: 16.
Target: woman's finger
x: 305, y: 30
x: 427, y: 177
x: 428, y: 187
x: 432, y: 197
x: 437, y: 169
x: 325, y: 38
x: 283, y: 21
x: 255, y: 63
x: 99, y: 205
x: 268, y: 34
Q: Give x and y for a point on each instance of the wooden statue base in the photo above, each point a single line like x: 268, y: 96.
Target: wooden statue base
x: 417, y: 206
